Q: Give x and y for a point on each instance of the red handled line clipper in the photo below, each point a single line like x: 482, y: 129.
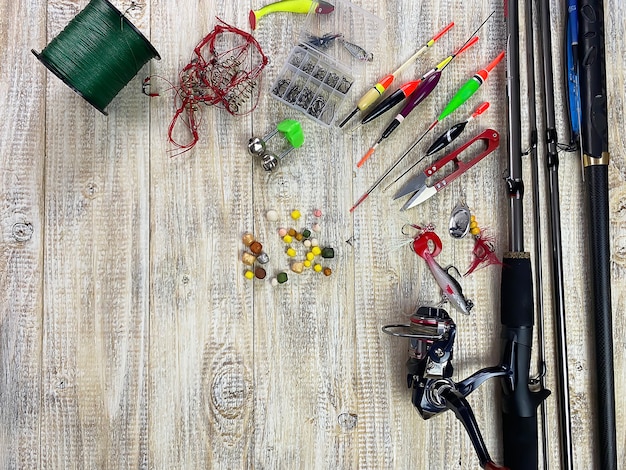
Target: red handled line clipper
x: 417, y: 183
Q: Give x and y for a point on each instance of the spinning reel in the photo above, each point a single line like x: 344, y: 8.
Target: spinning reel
x: 431, y: 334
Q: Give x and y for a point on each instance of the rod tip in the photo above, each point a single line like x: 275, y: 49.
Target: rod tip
x: 345, y: 121
x: 366, y: 157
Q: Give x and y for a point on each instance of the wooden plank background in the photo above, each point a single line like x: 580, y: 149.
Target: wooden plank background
x: 129, y: 337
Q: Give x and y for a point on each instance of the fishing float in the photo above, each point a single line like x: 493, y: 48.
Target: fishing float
x: 377, y: 90
x: 465, y: 93
x: 428, y: 83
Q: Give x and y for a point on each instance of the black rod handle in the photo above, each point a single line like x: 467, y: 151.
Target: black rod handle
x: 519, y: 403
x: 592, y: 70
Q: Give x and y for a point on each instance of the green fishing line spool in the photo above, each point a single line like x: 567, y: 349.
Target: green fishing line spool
x: 98, y: 53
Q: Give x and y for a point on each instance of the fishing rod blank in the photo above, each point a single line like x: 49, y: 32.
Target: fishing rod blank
x: 519, y: 404
x: 534, y: 175
x: 558, y: 290
x: 595, y: 155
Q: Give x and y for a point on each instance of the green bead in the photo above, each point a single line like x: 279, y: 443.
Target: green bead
x: 328, y: 252
x: 282, y: 278
x: 306, y: 233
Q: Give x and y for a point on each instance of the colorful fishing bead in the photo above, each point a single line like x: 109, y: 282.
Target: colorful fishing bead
x: 328, y: 252
x: 306, y: 263
x: 247, y: 238
x: 292, y: 232
x: 274, y: 282
x: 317, y: 213
x: 310, y: 256
x: 249, y: 274
x: 297, y: 267
x: 282, y: 278
x: 316, y: 228
x: 474, y: 228
x: 299, y: 237
x: 256, y: 247
x: 282, y: 232
x: 295, y: 215
x: 306, y: 233
x: 315, y: 242
x: 317, y: 268
x: 260, y: 273
x: 271, y: 215
x: 248, y: 258
x: 316, y: 250
x: 291, y: 252
x: 263, y: 258
x: 307, y: 243
x: 287, y: 238
x: 327, y: 271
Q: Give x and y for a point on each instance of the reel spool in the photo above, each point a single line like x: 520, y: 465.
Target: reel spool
x: 427, y: 325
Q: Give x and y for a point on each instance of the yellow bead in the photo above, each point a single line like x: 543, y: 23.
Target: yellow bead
x: 310, y: 256
x: 295, y: 215
x: 291, y: 252
x: 475, y: 231
x: 287, y: 239
x: 316, y: 250
x: 472, y: 218
x: 473, y: 224
x: 306, y: 263
x: 249, y: 274
x: 317, y: 268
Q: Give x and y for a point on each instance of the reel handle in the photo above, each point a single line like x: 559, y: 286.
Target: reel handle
x: 463, y: 411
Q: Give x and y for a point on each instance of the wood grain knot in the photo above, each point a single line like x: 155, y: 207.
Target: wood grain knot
x: 22, y: 232
x: 618, y: 203
x: 91, y: 190
x: 280, y: 186
x: 229, y: 391
x: 347, y: 421
x: 619, y: 250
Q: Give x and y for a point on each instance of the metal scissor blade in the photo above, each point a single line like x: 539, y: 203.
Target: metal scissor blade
x: 415, y: 183
x: 489, y: 136
x: 421, y: 196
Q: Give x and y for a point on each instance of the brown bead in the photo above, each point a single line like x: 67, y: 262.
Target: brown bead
x: 256, y: 248
x: 260, y: 273
x: 299, y: 237
x: 292, y: 232
x: 327, y: 271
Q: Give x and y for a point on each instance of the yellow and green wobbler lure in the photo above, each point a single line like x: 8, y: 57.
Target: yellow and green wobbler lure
x: 291, y: 6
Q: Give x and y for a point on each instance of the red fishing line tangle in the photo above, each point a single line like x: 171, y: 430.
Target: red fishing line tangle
x: 225, y: 71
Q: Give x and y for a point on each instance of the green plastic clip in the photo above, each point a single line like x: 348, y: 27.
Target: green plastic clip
x: 292, y: 130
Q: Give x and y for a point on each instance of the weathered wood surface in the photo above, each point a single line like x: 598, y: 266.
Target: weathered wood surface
x: 128, y: 334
